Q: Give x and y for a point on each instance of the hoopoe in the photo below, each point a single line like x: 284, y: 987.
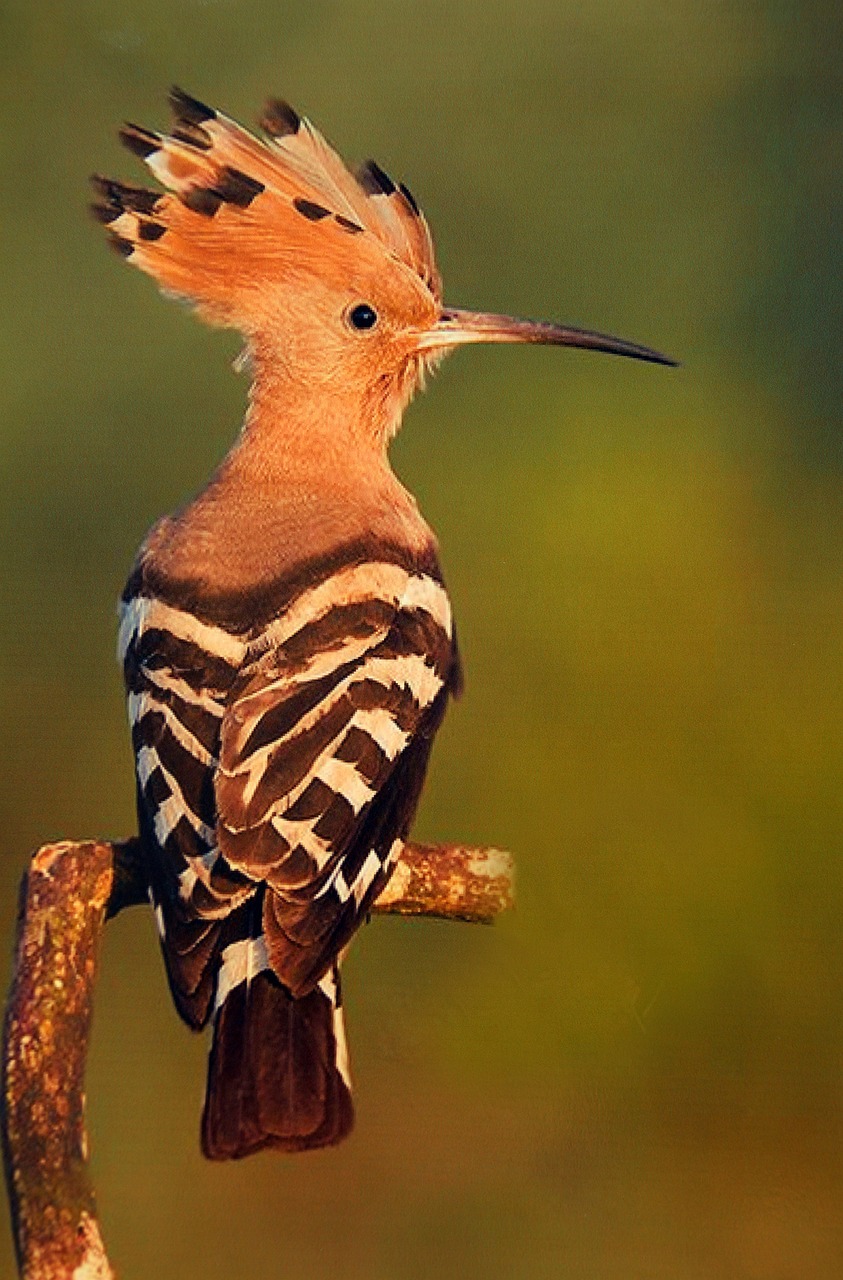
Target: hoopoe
x: 286, y: 637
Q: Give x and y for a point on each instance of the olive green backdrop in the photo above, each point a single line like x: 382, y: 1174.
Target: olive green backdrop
x: 639, y: 1073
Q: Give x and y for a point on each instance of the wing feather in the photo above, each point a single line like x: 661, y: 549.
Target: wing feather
x: 318, y: 776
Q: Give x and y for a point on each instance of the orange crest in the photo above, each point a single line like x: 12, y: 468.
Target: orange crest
x: 245, y: 212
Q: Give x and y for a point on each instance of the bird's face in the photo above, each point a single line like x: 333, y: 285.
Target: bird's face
x: 359, y: 345
x: 370, y: 342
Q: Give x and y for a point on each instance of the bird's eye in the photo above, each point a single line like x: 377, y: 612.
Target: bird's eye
x: 362, y: 316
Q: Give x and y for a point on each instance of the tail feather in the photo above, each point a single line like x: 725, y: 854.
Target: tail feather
x: 278, y: 1074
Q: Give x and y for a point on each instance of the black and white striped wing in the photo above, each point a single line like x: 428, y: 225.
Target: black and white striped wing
x: 178, y: 671
x: 324, y: 745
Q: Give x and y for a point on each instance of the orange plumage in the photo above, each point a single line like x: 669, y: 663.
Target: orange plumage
x: 314, y: 217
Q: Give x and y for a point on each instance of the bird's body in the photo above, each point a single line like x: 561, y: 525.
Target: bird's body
x: 287, y: 639
x: 281, y: 733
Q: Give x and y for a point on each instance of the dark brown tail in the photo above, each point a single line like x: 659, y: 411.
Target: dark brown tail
x: 278, y: 1075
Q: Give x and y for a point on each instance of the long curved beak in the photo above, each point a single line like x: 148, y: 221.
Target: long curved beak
x: 456, y: 327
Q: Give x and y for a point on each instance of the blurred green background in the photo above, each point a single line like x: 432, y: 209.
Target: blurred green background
x: 638, y: 1073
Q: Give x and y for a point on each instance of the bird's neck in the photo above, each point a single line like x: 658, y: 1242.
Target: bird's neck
x: 316, y: 432
x: 308, y: 475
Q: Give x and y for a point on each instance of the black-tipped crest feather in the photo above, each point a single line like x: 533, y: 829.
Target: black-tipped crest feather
x: 141, y: 142
x: 189, y: 109
x: 374, y: 180
x: 279, y: 119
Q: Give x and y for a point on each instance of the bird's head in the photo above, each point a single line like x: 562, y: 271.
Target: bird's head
x: 329, y: 274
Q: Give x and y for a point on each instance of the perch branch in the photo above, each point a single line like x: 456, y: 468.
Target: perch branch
x: 62, y: 907
x: 450, y: 881
x: 69, y: 891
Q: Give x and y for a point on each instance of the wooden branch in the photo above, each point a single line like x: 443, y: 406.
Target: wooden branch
x: 450, y: 881
x: 70, y: 890
x: 48, y: 1018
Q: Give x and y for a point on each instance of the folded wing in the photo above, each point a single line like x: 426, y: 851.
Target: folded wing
x: 324, y: 746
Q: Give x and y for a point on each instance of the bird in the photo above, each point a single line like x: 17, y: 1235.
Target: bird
x: 286, y: 636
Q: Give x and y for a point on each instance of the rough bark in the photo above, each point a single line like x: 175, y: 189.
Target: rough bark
x: 69, y: 891
x: 449, y: 881
x: 62, y: 907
